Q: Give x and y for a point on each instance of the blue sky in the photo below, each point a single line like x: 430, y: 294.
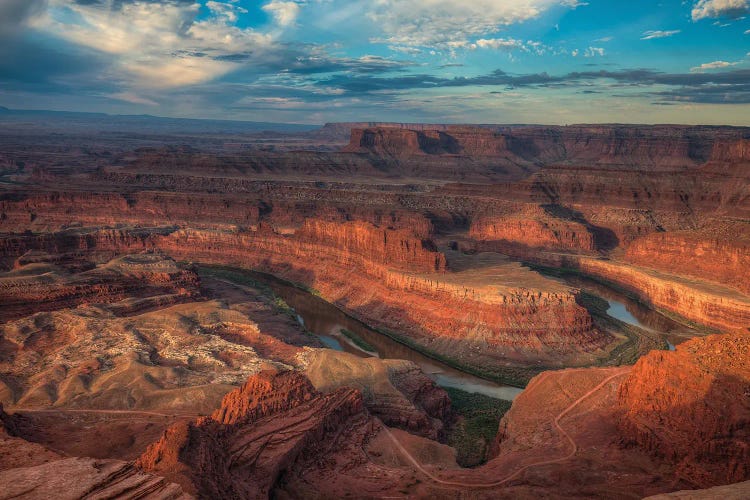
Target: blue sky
x: 313, y: 61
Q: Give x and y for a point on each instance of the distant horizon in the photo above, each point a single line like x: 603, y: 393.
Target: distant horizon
x: 404, y: 61
x: 378, y: 122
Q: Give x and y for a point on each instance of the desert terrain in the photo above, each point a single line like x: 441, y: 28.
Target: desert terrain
x: 348, y: 311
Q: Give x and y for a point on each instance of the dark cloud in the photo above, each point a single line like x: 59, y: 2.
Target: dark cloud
x: 15, y: 13
x: 724, y: 87
x: 364, y: 65
x: 293, y: 61
x: 40, y: 64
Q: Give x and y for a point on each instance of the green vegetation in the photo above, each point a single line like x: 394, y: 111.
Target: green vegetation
x: 515, y: 376
x: 639, y: 341
x: 357, y: 340
x: 568, y: 271
x: 475, y: 430
x: 244, y: 278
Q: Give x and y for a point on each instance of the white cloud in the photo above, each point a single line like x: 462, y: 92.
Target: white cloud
x: 285, y: 13
x: 594, y: 52
x: 413, y: 51
x: 650, y: 35
x: 498, y: 43
x: 747, y: 32
x: 712, y: 65
x: 158, y: 45
x: 447, y: 24
x: 605, y: 39
x: 226, y: 10
x: 720, y: 8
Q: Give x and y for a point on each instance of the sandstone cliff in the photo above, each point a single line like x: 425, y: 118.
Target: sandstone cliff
x: 454, y: 314
x: 34, y: 472
x: 261, y: 429
x: 692, y: 408
x: 723, y: 258
x: 547, y: 233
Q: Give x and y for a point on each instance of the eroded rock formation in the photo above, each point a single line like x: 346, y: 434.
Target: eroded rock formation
x: 260, y: 430
x: 692, y: 408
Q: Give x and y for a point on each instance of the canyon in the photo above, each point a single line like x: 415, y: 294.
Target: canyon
x: 141, y: 312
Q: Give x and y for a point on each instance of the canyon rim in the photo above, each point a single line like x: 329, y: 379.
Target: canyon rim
x: 429, y: 249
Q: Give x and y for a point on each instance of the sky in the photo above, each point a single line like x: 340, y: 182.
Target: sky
x: 437, y: 61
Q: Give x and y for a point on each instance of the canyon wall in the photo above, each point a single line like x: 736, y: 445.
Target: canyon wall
x: 551, y: 234
x: 395, y: 248
x: 723, y: 258
x: 55, y: 210
x: 41, y: 287
x: 692, y: 408
x: 703, y: 302
x: 634, y: 146
x: 468, y: 141
x: 446, y: 314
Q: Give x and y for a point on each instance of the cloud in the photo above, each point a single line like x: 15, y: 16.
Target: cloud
x: 712, y: 65
x: 15, y: 13
x: 160, y: 44
x: 732, y: 9
x: 594, y: 52
x: 497, y: 43
x: 447, y: 24
x: 322, y: 63
x: 285, y: 13
x: 650, y: 35
x: 715, y: 87
x: 132, y: 98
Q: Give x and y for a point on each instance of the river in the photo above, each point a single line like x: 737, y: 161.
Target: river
x: 326, y: 321
x: 630, y: 311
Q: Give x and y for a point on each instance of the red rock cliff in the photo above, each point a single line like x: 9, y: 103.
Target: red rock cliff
x: 262, y: 429
x: 723, y: 258
x: 397, y: 248
x: 692, y: 407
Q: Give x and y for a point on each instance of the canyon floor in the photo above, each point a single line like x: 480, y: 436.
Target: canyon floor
x: 349, y: 312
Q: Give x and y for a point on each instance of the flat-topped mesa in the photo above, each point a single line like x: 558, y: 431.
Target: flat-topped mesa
x: 635, y: 146
x: 404, y: 142
x: 550, y: 234
x: 396, y: 248
x: 617, y: 145
x: 692, y: 408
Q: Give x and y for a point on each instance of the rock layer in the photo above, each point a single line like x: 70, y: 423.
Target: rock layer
x: 692, y: 408
x: 260, y: 430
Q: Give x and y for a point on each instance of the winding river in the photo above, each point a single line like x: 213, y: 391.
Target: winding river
x: 328, y: 322
x: 630, y: 311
